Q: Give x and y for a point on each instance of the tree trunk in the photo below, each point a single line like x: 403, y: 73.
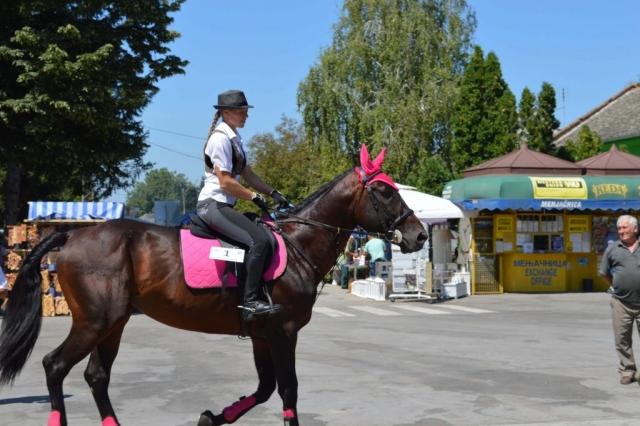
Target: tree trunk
x: 13, y: 193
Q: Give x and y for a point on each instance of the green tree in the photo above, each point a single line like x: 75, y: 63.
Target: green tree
x: 485, y: 119
x: 389, y: 79
x: 543, y: 123
x: 285, y: 161
x: 526, y: 113
x: 74, y: 79
x: 587, y: 145
x: 432, y: 176
x: 163, y: 185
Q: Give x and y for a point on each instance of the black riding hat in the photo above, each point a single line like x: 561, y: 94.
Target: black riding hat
x: 232, y: 99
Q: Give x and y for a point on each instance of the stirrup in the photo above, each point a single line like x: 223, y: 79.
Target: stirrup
x: 249, y: 313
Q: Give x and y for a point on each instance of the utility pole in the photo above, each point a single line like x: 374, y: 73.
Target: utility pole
x: 183, y: 203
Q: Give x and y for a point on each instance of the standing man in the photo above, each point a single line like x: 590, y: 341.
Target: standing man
x: 622, y: 259
x: 375, y: 249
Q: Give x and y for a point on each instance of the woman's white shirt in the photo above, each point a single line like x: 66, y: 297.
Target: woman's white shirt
x: 221, y: 154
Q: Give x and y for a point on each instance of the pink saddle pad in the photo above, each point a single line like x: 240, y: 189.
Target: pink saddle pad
x: 202, y: 272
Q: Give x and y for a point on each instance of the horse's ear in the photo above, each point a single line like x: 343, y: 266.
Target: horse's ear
x: 380, y: 159
x: 365, y: 161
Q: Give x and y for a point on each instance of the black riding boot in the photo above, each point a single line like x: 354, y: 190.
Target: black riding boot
x: 254, y: 307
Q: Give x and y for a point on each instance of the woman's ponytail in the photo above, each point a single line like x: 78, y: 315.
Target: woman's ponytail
x: 213, y: 125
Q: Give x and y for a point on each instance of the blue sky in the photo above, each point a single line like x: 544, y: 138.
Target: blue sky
x: 588, y: 48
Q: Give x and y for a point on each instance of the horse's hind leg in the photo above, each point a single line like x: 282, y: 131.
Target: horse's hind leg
x: 98, y: 374
x: 81, y: 340
x: 266, y: 386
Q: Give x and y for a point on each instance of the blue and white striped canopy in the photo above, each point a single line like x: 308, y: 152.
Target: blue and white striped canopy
x: 57, y: 210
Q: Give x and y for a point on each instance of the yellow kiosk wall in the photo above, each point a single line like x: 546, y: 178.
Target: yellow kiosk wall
x: 534, y: 272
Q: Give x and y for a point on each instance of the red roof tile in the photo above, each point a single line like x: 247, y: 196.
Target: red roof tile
x: 612, y: 163
x: 524, y: 162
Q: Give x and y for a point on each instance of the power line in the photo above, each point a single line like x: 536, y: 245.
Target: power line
x: 173, y: 150
x: 174, y: 133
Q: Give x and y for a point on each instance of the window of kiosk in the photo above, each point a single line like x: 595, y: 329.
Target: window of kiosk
x: 540, y: 243
x: 538, y: 233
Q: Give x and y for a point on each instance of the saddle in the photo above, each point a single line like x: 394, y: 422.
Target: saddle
x: 202, y: 272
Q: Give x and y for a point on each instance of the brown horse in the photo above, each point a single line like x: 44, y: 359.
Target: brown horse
x: 108, y: 270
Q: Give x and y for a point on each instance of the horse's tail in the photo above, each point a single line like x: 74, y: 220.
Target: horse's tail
x: 23, y: 316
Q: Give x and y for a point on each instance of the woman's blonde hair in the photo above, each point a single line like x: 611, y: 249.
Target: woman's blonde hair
x: 216, y: 117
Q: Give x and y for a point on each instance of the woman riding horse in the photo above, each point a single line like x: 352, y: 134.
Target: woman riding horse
x: 225, y: 162
x: 107, y: 270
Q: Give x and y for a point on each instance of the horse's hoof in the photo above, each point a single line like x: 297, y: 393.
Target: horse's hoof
x: 206, y: 419
x: 291, y: 421
x: 290, y: 418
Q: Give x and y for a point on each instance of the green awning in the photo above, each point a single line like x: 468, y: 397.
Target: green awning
x: 520, y: 192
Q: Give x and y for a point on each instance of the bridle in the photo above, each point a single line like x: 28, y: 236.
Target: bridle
x: 391, y: 234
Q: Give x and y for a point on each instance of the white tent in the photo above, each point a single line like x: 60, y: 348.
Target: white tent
x: 429, y: 208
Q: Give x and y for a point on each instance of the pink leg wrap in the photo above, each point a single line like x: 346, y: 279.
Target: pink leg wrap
x: 109, y: 421
x: 288, y: 413
x: 233, y: 411
x: 54, y: 418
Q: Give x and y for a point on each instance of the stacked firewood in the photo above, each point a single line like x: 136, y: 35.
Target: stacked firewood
x: 14, y: 261
x: 17, y: 235
x: 20, y: 234
x: 33, y: 237
x: 46, y: 230
x: 11, y: 278
x: 53, y: 301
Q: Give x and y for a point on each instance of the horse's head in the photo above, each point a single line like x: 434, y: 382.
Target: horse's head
x: 381, y: 208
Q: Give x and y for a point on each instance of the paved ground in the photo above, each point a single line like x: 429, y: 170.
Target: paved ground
x: 510, y: 360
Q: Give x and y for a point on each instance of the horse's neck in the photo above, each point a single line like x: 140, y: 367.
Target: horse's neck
x: 336, y: 210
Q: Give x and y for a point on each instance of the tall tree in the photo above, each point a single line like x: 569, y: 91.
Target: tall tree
x: 163, y: 185
x: 544, y: 123
x: 537, y: 119
x: 74, y: 79
x: 389, y: 79
x: 587, y: 145
x: 526, y: 113
x: 485, y: 119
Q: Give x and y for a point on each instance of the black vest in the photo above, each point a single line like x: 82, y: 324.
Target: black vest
x: 238, y: 160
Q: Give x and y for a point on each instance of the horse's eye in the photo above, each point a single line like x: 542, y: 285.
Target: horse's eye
x: 387, y: 193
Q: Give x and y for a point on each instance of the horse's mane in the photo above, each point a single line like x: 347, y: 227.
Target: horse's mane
x: 321, y: 191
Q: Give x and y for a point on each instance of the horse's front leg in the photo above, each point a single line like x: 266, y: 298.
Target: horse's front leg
x: 282, y: 342
x: 266, y: 386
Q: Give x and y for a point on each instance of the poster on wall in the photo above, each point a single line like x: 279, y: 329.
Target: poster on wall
x: 504, y: 233
x: 579, y: 234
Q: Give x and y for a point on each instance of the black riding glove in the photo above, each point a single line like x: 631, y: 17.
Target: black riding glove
x: 259, y: 201
x: 279, y: 200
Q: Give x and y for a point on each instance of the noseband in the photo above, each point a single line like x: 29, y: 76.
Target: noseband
x: 391, y: 234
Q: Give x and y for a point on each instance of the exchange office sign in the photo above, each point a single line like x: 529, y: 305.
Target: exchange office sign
x: 540, y: 274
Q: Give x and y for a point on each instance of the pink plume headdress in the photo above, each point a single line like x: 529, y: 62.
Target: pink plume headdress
x: 373, y: 168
